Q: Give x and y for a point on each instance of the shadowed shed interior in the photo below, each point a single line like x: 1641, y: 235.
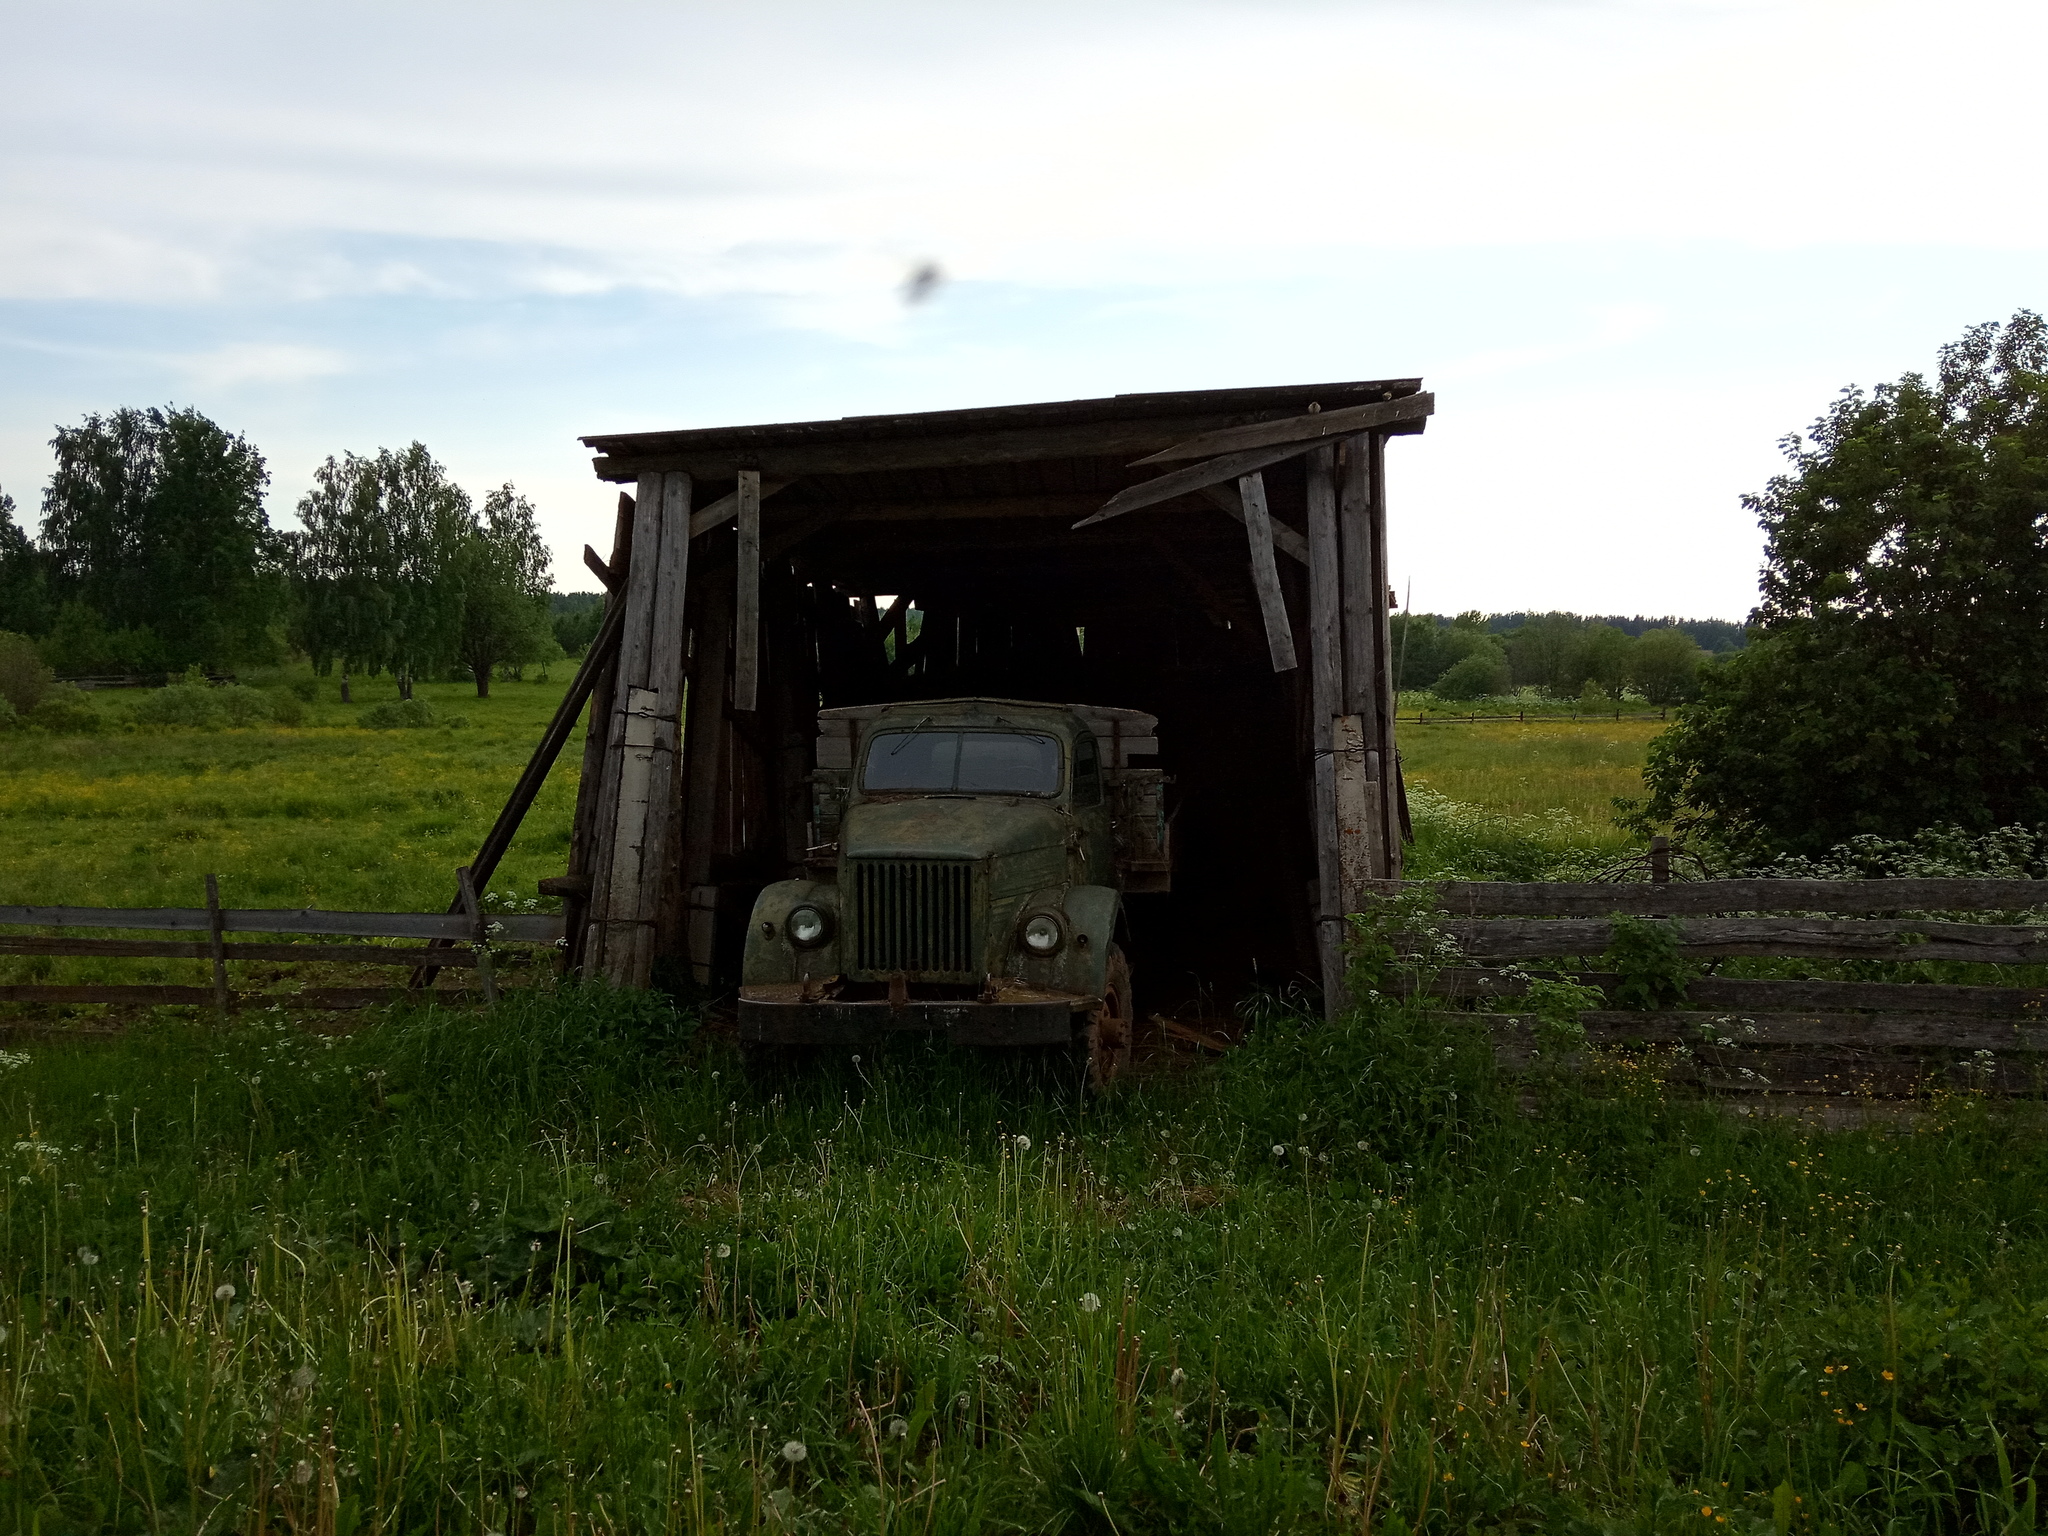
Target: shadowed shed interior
x: 936, y: 555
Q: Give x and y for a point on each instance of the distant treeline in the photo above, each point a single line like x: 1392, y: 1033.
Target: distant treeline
x: 1566, y: 655
x: 155, y: 554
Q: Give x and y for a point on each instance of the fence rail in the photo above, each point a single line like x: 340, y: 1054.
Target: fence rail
x: 1764, y: 1034
x: 478, y: 931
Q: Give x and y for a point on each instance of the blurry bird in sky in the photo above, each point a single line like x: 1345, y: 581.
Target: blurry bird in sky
x: 923, y: 282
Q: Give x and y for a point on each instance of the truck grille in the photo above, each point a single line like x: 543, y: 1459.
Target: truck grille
x: 914, y: 915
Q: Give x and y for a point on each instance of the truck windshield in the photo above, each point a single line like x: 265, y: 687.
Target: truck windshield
x: 968, y: 762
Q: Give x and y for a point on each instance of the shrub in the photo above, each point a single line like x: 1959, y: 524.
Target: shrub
x: 246, y: 706
x: 405, y: 715
x: 23, y: 677
x: 304, y: 689
x: 183, y: 706
x: 1479, y: 675
x: 66, y: 713
x: 285, y: 708
x: 8, y: 718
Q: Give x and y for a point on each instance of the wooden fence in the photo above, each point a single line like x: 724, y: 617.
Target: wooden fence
x: 1743, y: 1034
x: 462, y: 940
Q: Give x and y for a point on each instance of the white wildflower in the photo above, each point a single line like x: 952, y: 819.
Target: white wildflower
x: 1023, y: 1143
x: 897, y: 1428
x: 224, y: 1292
x: 794, y: 1451
x: 725, y: 1250
x: 88, y: 1257
x: 1278, y: 1150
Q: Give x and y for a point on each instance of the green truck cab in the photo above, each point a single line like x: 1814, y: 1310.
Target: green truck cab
x: 968, y: 874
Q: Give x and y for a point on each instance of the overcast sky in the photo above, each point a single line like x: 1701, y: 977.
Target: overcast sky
x: 1630, y: 245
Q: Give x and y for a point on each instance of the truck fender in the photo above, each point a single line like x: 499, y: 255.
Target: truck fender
x: 770, y: 956
x: 1093, y: 913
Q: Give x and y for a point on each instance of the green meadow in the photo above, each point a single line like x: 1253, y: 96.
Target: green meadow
x: 571, y: 1265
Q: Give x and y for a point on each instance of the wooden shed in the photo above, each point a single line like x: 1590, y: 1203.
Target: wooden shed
x: 1214, y: 558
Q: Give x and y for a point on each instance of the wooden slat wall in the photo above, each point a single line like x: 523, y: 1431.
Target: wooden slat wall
x: 1770, y: 1034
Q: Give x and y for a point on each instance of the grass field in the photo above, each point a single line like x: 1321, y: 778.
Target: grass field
x: 565, y: 1268
x: 325, y: 814
x: 569, y: 1266
x: 1508, y: 801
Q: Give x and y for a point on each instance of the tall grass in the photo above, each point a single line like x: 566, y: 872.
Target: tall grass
x: 565, y: 1266
x: 326, y: 814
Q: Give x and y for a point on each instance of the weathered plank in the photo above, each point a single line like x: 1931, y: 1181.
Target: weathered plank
x: 1810, y: 937
x: 1358, y: 847
x: 543, y: 929
x: 746, y: 637
x: 1803, y: 1070
x: 1285, y: 539
x: 1326, y: 662
x: 1486, y: 898
x: 598, y: 568
x: 182, y: 949
x: 1772, y: 995
x: 1258, y: 523
x: 727, y: 507
x: 1182, y: 482
x: 1317, y: 427
x: 196, y: 997
x: 1758, y: 1029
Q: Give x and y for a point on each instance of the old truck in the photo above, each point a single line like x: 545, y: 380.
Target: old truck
x: 968, y: 874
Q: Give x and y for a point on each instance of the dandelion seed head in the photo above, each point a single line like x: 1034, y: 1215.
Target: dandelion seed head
x: 302, y: 1474
x: 223, y: 1292
x: 1023, y: 1143
x: 1090, y: 1302
x: 794, y: 1451
x: 725, y: 1250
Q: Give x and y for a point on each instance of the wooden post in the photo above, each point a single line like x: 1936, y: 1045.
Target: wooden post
x: 1357, y: 815
x: 1660, y: 860
x: 216, y: 928
x: 746, y: 638
x: 642, y: 741
x: 1326, y: 665
x: 1362, y: 598
x: 1380, y: 727
x: 1258, y: 523
x: 706, y: 776
x: 480, y: 934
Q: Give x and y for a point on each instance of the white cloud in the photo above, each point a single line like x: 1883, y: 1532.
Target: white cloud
x: 255, y: 362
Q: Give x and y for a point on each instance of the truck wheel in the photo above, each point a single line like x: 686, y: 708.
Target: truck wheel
x: 1111, y: 1027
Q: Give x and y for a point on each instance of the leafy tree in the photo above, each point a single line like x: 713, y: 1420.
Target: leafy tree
x: 1600, y: 655
x: 1898, y: 674
x: 377, y: 567
x: 1665, y: 666
x: 578, y: 617
x: 1542, y: 652
x: 154, y: 521
x: 505, y: 585
x: 1425, y: 647
x: 24, y: 593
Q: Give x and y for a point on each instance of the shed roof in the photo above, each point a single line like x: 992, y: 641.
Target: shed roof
x: 1003, y: 434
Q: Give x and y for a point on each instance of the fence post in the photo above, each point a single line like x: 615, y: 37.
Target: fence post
x: 216, y: 926
x: 1660, y: 860
x: 481, y: 941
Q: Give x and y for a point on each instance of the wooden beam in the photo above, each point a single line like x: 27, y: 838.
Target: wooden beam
x: 1326, y: 667
x: 1285, y: 539
x: 1358, y: 851
x: 727, y: 507
x: 598, y: 568
x: 1318, y: 427
x: 1181, y: 482
x: 1360, y: 601
x: 746, y: 635
x: 1685, y: 898
x: 1381, y: 728
x: 1258, y: 525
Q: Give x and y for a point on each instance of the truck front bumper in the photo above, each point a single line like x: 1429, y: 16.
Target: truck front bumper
x: 776, y: 1022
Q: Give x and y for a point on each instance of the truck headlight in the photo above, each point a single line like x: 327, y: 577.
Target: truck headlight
x: 1043, y: 934
x: 807, y: 927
